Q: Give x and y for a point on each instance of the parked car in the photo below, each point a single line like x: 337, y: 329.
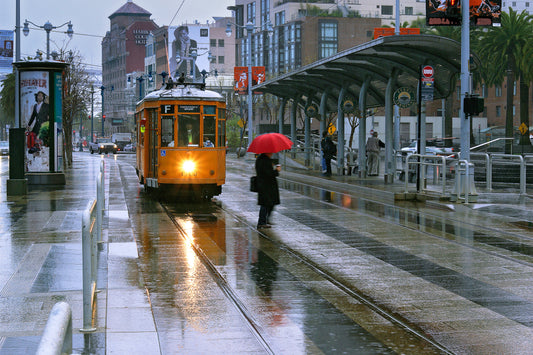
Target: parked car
x: 4, y: 147
x: 103, y: 145
x: 131, y: 147
x: 430, y: 149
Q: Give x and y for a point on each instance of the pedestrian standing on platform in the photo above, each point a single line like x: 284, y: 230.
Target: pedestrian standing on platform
x: 328, y: 150
x: 373, y: 146
x: 267, y: 188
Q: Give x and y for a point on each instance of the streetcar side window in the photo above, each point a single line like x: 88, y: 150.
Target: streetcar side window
x: 188, y: 130
x: 209, y: 131
x: 167, y: 131
x: 221, y: 133
x: 221, y: 128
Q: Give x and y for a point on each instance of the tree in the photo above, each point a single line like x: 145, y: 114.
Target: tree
x: 502, y: 48
x: 7, y: 100
x: 76, y: 99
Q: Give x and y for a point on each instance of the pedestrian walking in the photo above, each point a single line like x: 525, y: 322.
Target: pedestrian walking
x: 329, y: 150
x: 373, y: 146
x: 267, y: 188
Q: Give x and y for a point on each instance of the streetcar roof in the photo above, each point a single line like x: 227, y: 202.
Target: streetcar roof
x: 190, y: 92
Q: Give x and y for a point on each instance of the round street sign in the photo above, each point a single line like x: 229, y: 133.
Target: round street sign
x: 404, y: 97
x: 427, y: 71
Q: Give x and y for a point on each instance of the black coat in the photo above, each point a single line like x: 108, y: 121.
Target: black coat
x: 39, y: 117
x: 267, y: 184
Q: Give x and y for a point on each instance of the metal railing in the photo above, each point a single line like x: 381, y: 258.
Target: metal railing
x: 487, y: 144
x: 509, y: 157
x: 91, y: 235
x: 57, y: 335
x: 425, y: 161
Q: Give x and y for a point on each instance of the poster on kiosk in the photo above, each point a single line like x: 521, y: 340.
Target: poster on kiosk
x: 35, y: 116
x: 41, y: 116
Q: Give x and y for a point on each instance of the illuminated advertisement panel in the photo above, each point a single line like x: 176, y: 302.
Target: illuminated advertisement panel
x: 448, y: 12
x: 35, y: 116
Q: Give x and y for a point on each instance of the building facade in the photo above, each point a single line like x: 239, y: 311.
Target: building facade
x: 123, y: 52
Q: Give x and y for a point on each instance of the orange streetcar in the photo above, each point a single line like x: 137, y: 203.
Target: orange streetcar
x: 181, y: 135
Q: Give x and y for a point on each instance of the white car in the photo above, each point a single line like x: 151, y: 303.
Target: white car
x: 4, y: 147
x: 430, y: 150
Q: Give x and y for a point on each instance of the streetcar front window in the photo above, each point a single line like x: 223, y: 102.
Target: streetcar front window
x: 188, y: 130
x: 167, y: 131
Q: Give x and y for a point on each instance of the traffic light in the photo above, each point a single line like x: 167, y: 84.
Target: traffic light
x: 103, y: 117
x: 473, y: 105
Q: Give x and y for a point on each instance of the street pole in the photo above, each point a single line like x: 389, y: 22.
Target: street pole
x: 81, y: 127
x: 18, y: 124
x: 465, y: 79
x: 92, y: 111
x: 102, y: 88
x: 249, y: 29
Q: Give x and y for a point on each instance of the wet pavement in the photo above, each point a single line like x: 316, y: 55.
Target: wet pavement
x: 345, y: 268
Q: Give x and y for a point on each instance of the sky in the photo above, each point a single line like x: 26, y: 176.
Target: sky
x: 90, y: 21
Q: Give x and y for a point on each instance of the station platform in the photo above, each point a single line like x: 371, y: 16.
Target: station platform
x: 41, y: 256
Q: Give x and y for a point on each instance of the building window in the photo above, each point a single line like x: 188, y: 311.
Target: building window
x: 498, y: 111
x: 213, y: 42
x: 221, y: 43
x: 327, y: 42
x: 250, y: 12
x: 409, y: 10
x: 265, y: 12
x: 498, y: 91
x: 386, y: 10
x: 220, y: 59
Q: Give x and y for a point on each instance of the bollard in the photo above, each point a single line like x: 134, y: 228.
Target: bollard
x: 57, y: 335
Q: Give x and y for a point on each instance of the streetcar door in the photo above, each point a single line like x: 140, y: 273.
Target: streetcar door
x: 152, y: 144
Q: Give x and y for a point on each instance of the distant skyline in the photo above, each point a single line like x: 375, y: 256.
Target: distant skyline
x: 90, y: 21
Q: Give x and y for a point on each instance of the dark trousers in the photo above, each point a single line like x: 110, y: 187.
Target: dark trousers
x: 264, y: 214
x: 328, y: 166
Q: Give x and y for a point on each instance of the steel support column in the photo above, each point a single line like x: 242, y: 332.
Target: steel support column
x: 361, y: 157
x: 389, y: 158
x: 340, y: 130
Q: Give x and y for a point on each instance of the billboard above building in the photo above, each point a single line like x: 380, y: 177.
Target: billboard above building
x: 448, y: 12
x: 188, y: 50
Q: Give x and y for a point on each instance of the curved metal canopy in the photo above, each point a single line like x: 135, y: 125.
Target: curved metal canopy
x: 377, y: 60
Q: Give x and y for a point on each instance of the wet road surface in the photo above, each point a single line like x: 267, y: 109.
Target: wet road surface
x: 338, y: 272
x: 259, y: 266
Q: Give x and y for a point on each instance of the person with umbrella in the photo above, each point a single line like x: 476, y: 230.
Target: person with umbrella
x: 267, y: 184
x: 267, y: 188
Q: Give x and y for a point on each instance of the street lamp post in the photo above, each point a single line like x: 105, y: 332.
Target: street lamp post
x: 92, y: 111
x: 102, y: 88
x: 48, y: 27
x: 249, y: 30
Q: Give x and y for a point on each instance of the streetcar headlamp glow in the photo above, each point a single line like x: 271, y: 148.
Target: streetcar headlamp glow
x: 188, y: 166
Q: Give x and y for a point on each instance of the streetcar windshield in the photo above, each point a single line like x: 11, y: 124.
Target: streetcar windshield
x: 188, y: 130
x: 167, y: 131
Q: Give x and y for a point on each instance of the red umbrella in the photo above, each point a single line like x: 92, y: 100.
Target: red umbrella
x: 270, y: 143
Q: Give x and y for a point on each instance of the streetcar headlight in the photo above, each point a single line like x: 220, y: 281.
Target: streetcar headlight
x: 189, y: 166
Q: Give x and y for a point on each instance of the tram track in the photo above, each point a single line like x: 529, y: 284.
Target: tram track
x: 228, y: 291
x: 259, y: 333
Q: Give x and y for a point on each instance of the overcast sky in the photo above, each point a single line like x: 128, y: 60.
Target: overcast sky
x: 90, y: 20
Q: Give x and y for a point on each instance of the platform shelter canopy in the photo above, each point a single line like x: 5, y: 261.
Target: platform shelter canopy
x: 378, y: 60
